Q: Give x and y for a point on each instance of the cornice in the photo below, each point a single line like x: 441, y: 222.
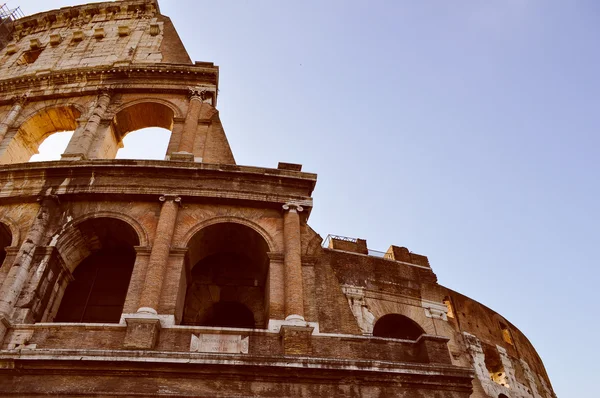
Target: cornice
x: 141, y: 180
x: 121, y: 78
x: 80, y: 15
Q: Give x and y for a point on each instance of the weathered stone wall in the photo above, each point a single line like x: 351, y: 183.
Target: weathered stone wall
x: 100, y: 34
x: 106, y: 69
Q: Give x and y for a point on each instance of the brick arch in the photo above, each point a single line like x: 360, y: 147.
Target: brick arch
x: 74, y: 248
x: 140, y: 230
x: 229, y: 275
x: 415, y: 312
x: 396, y: 325
x: 229, y: 219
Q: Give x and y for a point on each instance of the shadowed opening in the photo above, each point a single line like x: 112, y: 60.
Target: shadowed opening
x: 227, y: 282
x: 5, y: 241
x: 97, y: 293
x: 494, y: 365
x: 397, y: 326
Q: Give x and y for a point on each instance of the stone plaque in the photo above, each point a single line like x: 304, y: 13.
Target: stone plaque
x: 222, y: 343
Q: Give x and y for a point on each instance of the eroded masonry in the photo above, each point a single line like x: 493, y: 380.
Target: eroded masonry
x: 192, y: 276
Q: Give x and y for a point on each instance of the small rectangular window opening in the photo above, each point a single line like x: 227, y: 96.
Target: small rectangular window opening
x: 29, y: 57
x: 449, y: 306
x: 506, y: 333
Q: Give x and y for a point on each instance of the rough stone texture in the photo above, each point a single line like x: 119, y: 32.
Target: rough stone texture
x: 107, y: 69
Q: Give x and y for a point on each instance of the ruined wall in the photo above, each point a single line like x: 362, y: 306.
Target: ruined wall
x: 100, y: 34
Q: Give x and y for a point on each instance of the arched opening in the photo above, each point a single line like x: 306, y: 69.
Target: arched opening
x: 397, y: 326
x: 494, y: 365
x: 97, y: 293
x: 230, y: 314
x: 502, y: 396
x: 228, y: 278
x: 52, y: 147
x: 147, y: 143
x: 144, y: 130
x: 5, y: 241
x: 27, y: 140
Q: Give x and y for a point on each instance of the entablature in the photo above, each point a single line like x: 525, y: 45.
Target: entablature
x: 147, y: 179
x: 162, y: 78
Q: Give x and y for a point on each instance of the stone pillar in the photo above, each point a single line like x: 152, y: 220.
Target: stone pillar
x: 19, y: 271
x: 8, y: 121
x: 138, y: 276
x: 159, y: 256
x: 176, y: 133
x: 82, y: 139
x: 190, y: 126
x: 294, y: 296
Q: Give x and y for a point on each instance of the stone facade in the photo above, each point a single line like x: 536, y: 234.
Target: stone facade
x: 194, y: 276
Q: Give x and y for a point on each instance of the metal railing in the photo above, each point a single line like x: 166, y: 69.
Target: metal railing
x: 7, y: 17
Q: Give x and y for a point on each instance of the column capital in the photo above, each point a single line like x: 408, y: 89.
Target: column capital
x: 201, y: 93
x: 19, y: 99
x: 293, y: 207
x: 174, y: 198
x: 105, y: 92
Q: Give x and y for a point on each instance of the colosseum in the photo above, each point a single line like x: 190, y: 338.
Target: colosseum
x: 193, y: 276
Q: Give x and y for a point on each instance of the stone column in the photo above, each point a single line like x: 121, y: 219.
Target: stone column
x: 82, y: 139
x: 294, y: 296
x: 159, y: 256
x: 8, y: 121
x: 19, y: 272
x: 190, y: 126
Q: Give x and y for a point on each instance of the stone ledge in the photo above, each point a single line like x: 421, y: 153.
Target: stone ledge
x: 167, y: 357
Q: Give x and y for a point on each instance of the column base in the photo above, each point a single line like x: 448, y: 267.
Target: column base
x: 275, y: 325
x: 4, y: 326
x: 182, y: 157
x: 73, y: 156
x: 142, y: 333
x: 296, y: 340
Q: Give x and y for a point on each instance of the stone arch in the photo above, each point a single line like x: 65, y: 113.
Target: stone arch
x: 13, y: 229
x: 100, y: 253
x: 133, y: 223
x: 397, y: 326
x: 176, y: 110
x: 33, y: 108
x: 36, y: 126
x: 230, y: 219
x: 72, y: 245
x: 136, y: 115
x: 228, y: 279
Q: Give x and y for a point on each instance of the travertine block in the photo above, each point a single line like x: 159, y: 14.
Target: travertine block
x: 142, y: 333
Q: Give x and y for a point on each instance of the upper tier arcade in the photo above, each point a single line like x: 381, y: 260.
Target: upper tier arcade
x: 104, y: 70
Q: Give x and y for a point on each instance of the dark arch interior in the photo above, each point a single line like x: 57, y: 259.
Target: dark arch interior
x: 230, y: 314
x: 97, y: 293
x: 5, y: 241
x: 397, y: 326
x: 227, y: 282
x: 502, y: 396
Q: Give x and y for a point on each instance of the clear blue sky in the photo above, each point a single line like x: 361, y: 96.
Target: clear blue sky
x: 467, y: 131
